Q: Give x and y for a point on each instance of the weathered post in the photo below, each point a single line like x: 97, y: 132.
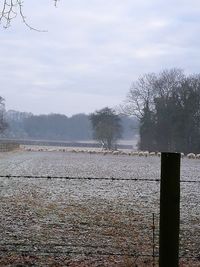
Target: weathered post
x: 169, y: 210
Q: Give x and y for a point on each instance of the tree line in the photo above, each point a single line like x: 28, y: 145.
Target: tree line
x: 22, y: 125
x: 167, y: 105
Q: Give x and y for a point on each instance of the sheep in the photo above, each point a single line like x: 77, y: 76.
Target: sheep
x: 146, y: 153
x: 123, y: 153
x: 152, y: 153
x: 141, y: 154
x: 134, y: 153
x: 116, y: 152
x: 182, y: 155
x: 198, y: 156
x: 191, y: 156
x: 159, y: 154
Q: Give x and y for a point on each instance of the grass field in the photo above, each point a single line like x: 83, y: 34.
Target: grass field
x: 59, y: 222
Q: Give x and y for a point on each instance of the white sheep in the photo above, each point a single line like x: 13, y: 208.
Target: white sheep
x: 146, y: 153
x: 116, y: 152
x: 123, y: 153
x: 141, y: 154
x: 182, y: 155
x: 191, y: 156
x: 134, y: 153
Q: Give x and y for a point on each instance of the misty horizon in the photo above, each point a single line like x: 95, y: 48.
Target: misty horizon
x: 22, y: 125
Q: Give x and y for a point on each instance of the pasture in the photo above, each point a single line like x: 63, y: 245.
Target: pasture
x: 63, y: 222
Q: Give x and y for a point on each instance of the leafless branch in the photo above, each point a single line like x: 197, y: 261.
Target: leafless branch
x: 55, y: 2
x: 11, y: 9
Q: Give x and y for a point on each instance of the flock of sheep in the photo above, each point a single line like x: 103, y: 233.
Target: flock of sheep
x: 106, y: 152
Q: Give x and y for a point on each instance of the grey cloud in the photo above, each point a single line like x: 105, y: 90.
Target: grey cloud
x: 93, y: 50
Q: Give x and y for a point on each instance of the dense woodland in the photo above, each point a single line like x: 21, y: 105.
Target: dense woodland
x: 167, y: 105
x: 58, y: 127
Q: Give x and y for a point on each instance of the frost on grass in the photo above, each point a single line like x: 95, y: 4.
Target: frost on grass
x: 88, y: 223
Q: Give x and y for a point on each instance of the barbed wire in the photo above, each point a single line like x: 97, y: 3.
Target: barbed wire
x: 88, y: 178
x: 100, y: 253
x: 39, y: 250
x: 77, y: 249
x: 77, y: 178
x: 43, y: 249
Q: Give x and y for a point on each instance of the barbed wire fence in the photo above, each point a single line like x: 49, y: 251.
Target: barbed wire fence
x: 88, y: 178
x: 88, y: 250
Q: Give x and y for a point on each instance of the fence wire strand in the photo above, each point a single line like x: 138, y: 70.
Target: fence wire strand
x: 49, y: 248
x: 70, y: 252
x: 88, y: 178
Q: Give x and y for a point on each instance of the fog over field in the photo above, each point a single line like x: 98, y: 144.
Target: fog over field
x: 60, y: 127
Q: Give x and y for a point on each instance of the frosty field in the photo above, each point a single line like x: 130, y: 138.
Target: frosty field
x: 60, y: 222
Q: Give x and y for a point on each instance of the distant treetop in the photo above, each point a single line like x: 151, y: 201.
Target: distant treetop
x: 106, y: 126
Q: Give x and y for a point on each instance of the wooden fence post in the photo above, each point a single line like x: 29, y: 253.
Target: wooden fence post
x: 169, y: 210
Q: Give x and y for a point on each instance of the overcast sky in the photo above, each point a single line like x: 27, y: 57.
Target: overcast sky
x: 93, y: 50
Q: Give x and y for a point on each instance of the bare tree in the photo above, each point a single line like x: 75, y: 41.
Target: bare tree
x: 11, y: 9
x: 147, y: 88
x: 139, y: 96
